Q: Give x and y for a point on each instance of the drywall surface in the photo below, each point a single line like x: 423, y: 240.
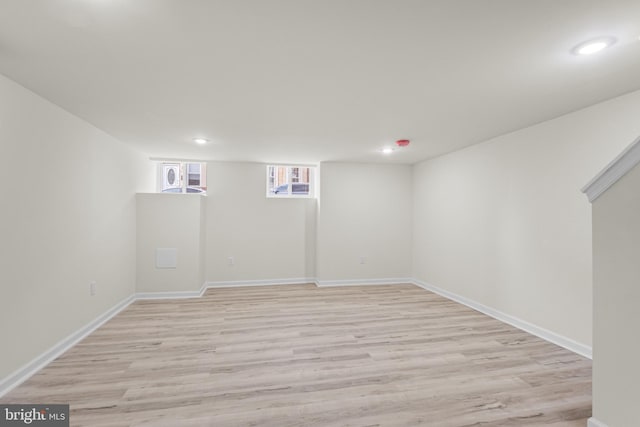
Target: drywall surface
x: 267, y: 238
x: 364, y: 222
x: 504, y: 222
x: 67, y: 219
x: 170, y: 221
x: 616, y: 295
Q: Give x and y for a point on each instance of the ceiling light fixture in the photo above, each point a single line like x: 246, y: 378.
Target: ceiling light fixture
x: 592, y: 46
x: 200, y: 141
x: 387, y: 150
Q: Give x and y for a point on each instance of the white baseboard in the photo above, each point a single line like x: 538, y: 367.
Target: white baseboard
x: 361, y: 282
x: 543, y: 333
x: 21, y: 375
x: 271, y: 282
x: 172, y: 294
x: 167, y: 295
x: 592, y: 422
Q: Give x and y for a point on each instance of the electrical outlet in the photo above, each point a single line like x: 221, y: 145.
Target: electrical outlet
x: 231, y: 260
x: 363, y: 260
x: 92, y: 288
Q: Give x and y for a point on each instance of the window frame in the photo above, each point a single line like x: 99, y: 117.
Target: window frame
x: 289, y: 169
x: 183, y: 167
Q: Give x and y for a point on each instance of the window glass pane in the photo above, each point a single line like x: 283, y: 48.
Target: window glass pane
x: 281, y: 190
x: 288, y: 181
x: 271, y: 179
x: 170, y: 178
x: 300, y: 189
x: 281, y: 178
x: 182, y: 178
x: 193, y: 174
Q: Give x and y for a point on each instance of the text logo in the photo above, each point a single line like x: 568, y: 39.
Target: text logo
x: 34, y: 415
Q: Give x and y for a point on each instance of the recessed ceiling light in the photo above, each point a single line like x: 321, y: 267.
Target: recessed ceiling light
x: 592, y: 46
x: 387, y: 150
x: 200, y: 141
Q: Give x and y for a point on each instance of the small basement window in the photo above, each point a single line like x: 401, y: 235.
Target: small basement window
x: 182, y: 177
x: 290, y: 181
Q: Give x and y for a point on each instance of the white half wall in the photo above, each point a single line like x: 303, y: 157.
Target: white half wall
x: 616, y: 311
x: 504, y: 223
x: 67, y: 219
x: 170, y: 222
x: 364, y: 222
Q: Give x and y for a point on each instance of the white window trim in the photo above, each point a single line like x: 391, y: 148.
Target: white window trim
x: 184, y: 175
x: 312, y: 182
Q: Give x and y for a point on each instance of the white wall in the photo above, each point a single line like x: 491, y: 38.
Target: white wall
x: 170, y: 221
x: 273, y: 239
x: 67, y: 218
x: 364, y: 210
x: 504, y: 223
x: 268, y: 238
x: 616, y: 275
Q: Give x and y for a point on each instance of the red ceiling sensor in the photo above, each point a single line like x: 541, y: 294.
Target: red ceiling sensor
x: 402, y: 142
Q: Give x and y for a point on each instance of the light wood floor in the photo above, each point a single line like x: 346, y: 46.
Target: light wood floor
x: 305, y: 356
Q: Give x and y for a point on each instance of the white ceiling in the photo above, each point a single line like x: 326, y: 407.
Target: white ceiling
x: 306, y: 81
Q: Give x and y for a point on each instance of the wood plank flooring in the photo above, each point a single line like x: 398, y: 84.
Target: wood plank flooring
x: 297, y: 355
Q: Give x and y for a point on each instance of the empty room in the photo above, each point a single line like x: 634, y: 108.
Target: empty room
x: 320, y: 213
